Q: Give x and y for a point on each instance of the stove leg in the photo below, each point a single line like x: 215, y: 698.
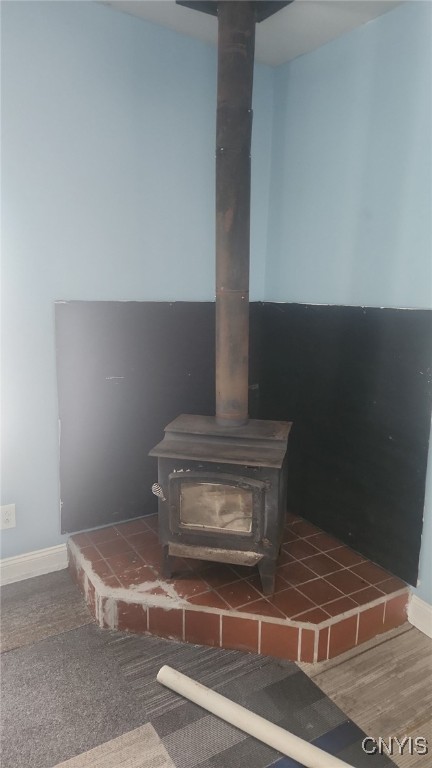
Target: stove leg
x: 167, y: 561
x: 267, y: 572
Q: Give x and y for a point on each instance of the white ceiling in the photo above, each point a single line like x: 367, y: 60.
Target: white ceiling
x: 298, y: 28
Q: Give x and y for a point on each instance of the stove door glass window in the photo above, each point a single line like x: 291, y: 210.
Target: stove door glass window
x: 216, y: 507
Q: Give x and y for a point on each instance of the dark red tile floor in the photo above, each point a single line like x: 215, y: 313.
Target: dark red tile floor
x: 328, y: 598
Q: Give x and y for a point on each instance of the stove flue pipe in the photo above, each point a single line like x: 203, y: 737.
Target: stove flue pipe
x: 236, y: 46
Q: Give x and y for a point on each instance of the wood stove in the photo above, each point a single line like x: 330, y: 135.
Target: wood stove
x: 222, y: 492
x: 222, y: 480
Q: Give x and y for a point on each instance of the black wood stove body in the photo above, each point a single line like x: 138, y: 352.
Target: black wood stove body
x: 222, y: 492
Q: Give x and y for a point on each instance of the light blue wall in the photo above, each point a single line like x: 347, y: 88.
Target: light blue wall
x: 350, y: 200
x: 350, y: 205
x: 107, y: 191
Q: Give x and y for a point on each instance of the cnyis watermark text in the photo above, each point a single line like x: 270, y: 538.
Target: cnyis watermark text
x: 393, y: 745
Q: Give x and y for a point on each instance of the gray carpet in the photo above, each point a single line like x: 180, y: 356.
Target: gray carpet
x: 60, y: 697
x: 38, y: 608
x: 71, y: 693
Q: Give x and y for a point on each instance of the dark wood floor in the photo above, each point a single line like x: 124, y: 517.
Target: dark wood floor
x: 385, y: 687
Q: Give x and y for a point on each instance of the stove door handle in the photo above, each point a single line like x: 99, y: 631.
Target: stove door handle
x: 158, y: 491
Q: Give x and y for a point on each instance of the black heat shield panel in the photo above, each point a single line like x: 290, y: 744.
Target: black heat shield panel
x: 125, y: 370
x: 356, y: 382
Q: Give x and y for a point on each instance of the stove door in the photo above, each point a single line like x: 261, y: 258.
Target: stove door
x: 215, y: 504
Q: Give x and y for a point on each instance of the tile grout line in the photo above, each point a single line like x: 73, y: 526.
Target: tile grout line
x: 316, y: 642
x: 299, y: 644
x: 102, y: 558
x: 341, y: 566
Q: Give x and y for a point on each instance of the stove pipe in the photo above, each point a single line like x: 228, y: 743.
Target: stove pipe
x: 236, y: 44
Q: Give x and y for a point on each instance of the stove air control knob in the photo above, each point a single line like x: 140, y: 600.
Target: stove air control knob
x: 157, y: 490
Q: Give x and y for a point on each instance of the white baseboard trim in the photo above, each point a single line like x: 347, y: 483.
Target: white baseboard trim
x: 420, y: 615
x: 33, y: 564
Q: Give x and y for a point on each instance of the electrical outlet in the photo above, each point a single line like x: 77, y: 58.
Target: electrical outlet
x: 7, y: 516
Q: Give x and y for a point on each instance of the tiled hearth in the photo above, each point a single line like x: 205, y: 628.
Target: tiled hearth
x: 328, y: 598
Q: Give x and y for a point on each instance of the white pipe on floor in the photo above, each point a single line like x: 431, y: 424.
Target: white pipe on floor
x: 254, y: 725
